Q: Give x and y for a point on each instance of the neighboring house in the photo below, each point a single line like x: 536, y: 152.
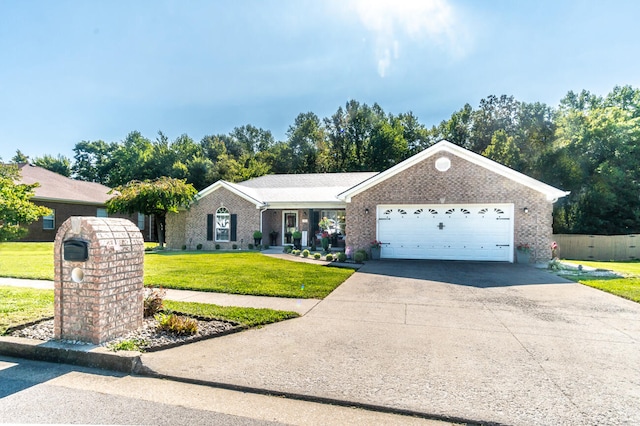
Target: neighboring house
x: 443, y: 203
x: 69, y: 197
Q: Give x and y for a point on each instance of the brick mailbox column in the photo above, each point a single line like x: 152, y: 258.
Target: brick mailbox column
x: 98, y: 279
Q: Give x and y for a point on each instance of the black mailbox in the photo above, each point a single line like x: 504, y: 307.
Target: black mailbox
x: 75, y: 250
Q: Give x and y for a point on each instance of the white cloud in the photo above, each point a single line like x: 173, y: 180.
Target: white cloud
x: 396, y: 21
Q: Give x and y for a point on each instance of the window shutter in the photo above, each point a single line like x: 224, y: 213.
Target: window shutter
x: 209, y: 227
x: 234, y: 227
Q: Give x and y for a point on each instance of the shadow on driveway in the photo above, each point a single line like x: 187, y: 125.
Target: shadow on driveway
x: 473, y: 274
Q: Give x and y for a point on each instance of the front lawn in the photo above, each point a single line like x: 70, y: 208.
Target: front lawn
x: 241, y: 273
x: 237, y: 272
x: 22, y: 305
x: 26, y: 260
x: 627, y: 287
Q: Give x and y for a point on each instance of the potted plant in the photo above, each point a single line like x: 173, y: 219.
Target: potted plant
x: 375, y: 249
x: 274, y: 237
x: 523, y: 253
x: 257, y: 238
x: 325, y: 241
x: 297, y: 239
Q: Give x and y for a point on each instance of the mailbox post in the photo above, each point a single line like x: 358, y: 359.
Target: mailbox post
x: 98, y: 279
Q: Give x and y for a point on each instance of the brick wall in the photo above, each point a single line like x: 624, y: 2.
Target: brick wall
x: 463, y: 183
x: 64, y: 211
x: 107, y: 300
x: 196, y: 220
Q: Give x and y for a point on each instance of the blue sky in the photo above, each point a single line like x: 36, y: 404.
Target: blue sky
x: 89, y: 70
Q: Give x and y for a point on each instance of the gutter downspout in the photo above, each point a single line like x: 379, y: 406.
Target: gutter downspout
x: 266, y: 207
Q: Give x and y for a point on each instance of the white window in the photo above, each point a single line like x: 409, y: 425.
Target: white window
x: 333, y: 221
x: 141, y: 221
x: 102, y: 213
x: 223, y: 224
x: 49, y: 221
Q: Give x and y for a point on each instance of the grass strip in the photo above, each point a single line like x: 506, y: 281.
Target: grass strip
x: 251, y: 317
x: 23, y: 305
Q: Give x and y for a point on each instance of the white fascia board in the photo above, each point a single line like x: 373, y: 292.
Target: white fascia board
x: 552, y: 194
x: 307, y: 205
x: 230, y: 187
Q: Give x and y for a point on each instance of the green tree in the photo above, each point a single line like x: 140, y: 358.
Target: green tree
x: 152, y: 197
x: 16, y: 209
x: 59, y: 164
x: 304, y: 137
x: 503, y: 150
x: 20, y: 158
x: 92, y: 161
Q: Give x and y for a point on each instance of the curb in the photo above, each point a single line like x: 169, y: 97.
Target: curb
x: 67, y: 353
x: 147, y: 372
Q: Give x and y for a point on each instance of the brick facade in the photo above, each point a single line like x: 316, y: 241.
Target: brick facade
x: 64, y: 211
x: 103, y: 298
x: 195, y: 222
x: 464, y: 183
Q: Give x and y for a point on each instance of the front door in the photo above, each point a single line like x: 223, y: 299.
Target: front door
x: 289, y: 224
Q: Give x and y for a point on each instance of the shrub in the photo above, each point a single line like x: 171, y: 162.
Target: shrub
x: 250, y: 246
x: 359, y: 257
x: 153, y: 301
x: 199, y: 246
x: 235, y: 247
x: 184, y: 247
x: 265, y: 246
x: 176, y: 324
x: 295, y: 252
x: 342, y: 257
x: 329, y: 257
x: 288, y: 249
x: 317, y: 256
x: 363, y: 252
x: 217, y: 246
x: 305, y: 253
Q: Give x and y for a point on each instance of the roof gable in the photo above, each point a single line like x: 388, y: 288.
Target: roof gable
x: 551, y: 193
x: 244, y: 193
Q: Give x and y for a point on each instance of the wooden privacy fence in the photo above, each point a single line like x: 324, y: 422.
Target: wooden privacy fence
x: 598, y: 247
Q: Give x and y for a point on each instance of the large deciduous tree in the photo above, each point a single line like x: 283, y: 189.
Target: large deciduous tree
x: 16, y: 209
x: 59, y: 164
x: 152, y: 197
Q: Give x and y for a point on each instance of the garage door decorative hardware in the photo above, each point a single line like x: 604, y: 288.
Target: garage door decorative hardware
x: 441, y: 226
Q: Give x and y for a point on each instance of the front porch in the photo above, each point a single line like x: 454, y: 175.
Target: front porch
x: 279, y: 225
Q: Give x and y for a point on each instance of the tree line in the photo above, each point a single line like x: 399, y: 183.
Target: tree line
x: 588, y: 145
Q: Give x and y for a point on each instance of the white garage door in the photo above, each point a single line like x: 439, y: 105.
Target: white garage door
x: 446, y: 231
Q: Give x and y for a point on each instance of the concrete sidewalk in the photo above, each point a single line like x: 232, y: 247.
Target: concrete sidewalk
x: 301, y: 306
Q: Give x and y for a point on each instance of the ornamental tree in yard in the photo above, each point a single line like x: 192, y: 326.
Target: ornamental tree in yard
x: 152, y: 197
x: 16, y: 209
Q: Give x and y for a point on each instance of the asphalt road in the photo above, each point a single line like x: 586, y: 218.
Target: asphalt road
x: 39, y: 392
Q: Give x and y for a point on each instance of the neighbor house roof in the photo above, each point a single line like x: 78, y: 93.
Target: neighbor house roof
x: 55, y: 187
x: 293, y: 190
x: 551, y: 193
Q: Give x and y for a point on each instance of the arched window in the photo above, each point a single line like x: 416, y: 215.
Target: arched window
x: 223, y: 224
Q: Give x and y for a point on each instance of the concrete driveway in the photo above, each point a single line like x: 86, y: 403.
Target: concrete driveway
x: 484, y: 342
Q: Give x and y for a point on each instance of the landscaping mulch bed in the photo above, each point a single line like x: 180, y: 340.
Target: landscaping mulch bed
x: 148, y: 337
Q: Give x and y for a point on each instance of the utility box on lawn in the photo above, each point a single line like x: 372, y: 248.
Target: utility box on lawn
x: 98, y: 266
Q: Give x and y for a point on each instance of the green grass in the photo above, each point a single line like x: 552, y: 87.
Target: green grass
x: 22, y: 305
x: 26, y: 260
x: 241, y: 273
x: 238, y: 272
x: 250, y: 317
x: 625, y: 268
x: 627, y: 287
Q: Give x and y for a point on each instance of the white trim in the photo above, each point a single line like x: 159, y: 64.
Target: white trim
x: 444, y: 146
x: 308, y: 205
